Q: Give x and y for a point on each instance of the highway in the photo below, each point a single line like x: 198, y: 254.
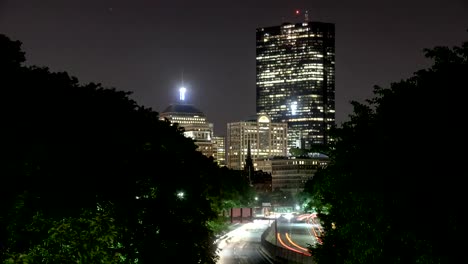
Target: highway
x: 296, y: 234
x: 242, y: 245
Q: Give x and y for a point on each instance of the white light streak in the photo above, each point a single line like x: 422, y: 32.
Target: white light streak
x: 182, y: 91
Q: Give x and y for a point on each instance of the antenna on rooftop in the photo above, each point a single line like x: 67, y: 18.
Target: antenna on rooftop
x: 306, y: 14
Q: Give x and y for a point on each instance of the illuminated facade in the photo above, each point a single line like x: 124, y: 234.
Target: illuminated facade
x: 195, y: 126
x: 296, y: 79
x: 267, y: 139
x: 220, y: 146
x: 290, y: 174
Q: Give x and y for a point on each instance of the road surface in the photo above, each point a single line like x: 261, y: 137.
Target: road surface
x: 242, y: 245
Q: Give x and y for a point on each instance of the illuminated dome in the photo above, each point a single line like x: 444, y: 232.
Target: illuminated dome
x: 182, y: 109
x: 194, y: 123
x: 183, y: 114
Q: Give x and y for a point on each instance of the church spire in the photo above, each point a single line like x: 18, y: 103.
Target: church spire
x: 249, y: 167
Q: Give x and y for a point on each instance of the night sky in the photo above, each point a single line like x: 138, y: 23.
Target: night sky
x: 145, y: 46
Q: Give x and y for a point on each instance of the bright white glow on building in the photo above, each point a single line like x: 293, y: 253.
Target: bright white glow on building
x: 180, y: 195
x: 293, y: 107
x: 263, y: 119
x: 182, y: 91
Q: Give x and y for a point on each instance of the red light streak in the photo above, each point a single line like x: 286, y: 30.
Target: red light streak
x: 294, y: 244
x: 290, y: 248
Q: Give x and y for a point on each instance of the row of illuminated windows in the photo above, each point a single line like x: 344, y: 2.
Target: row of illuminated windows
x: 313, y: 78
x: 276, y: 53
x: 256, y: 153
x: 301, y: 117
x: 280, y: 70
x: 288, y: 37
x: 253, y: 128
x: 300, y: 111
x: 300, y: 81
x: 295, y: 64
x: 188, y: 120
x: 312, y: 47
x: 294, y: 68
x: 270, y: 141
x: 292, y: 75
x: 305, y: 119
x: 273, y: 85
x: 272, y: 100
x: 276, y: 70
x: 253, y: 136
x: 293, y: 71
x: 295, y: 41
x: 298, y: 164
x: 296, y: 90
x: 253, y: 142
x: 285, y: 55
x: 256, y: 133
x: 299, y: 44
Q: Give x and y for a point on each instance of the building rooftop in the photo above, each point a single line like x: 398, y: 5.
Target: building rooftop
x: 183, y: 108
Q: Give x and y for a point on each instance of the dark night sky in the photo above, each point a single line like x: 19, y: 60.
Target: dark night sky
x: 143, y: 46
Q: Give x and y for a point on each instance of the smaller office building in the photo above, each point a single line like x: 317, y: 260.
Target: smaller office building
x: 290, y: 174
x: 265, y: 138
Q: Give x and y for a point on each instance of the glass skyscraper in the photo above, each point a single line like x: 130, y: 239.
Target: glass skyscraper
x: 296, y: 79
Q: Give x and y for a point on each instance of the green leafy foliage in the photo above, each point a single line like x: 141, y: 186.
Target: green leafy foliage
x: 90, y: 238
x: 393, y: 189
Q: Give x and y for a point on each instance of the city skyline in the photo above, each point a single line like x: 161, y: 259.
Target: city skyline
x: 144, y: 47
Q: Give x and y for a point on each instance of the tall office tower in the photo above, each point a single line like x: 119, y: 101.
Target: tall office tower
x: 296, y: 79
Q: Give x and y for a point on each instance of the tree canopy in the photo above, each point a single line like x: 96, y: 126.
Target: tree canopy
x: 89, y: 176
x: 393, y: 191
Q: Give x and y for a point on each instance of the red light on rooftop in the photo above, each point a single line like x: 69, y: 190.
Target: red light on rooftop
x: 297, y: 12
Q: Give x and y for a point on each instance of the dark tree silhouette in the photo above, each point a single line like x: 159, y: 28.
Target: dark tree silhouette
x: 394, y: 189
x: 89, y: 176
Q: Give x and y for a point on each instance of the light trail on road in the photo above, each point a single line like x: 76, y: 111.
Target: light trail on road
x: 291, y: 248
x: 294, y: 244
